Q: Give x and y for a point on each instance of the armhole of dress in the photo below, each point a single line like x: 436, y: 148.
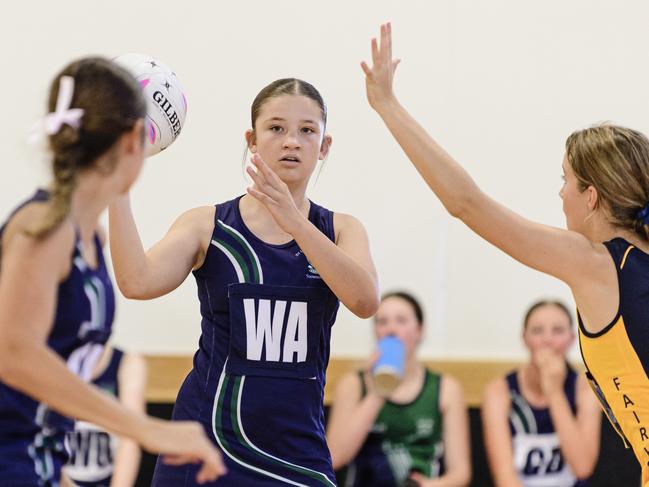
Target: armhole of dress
x: 332, y: 228
x: 618, y: 314
x: 438, y: 388
x: 217, y: 207
x: 359, y: 375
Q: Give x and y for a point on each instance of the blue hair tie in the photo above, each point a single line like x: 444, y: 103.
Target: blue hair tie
x: 644, y: 214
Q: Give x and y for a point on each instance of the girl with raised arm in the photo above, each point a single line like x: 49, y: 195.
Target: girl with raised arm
x: 603, y: 256
x: 270, y: 267
x: 56, y: 297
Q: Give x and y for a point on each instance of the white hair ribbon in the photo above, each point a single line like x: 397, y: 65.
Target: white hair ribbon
x: 63, y: 113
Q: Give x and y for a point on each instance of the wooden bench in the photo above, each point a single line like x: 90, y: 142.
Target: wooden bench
x: 167, y: 372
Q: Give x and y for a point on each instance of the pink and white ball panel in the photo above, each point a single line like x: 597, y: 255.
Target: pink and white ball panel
x: 166, y: 102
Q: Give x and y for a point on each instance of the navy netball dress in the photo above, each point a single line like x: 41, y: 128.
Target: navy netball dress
x: 257, y: 385
x: 92, y: 450
x: 31, y: 435
x: 537, y: 455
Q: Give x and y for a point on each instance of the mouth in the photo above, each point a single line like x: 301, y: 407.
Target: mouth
x: 290, y: 159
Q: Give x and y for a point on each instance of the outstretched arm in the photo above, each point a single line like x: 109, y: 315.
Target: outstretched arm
x: 564, y: 254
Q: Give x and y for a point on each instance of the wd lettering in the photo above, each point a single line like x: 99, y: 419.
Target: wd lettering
x: 89, y: 447
x: 276, y: 333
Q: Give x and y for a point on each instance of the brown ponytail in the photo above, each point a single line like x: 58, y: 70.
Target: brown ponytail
x: 112, y: 102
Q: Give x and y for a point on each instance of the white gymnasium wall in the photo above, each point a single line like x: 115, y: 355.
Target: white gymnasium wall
x: 500, y: 83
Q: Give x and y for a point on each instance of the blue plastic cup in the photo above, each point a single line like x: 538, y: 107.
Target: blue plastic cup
x: 390, y: 366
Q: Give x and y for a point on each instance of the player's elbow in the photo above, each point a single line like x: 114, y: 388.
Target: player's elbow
x: 338, y: 458
x: 463, y: 475
x: 460, y: 206
x: 131, y: 287
x: 340, y: 455
x: 466, y: 203
x: 128, y: 292
x: 584, y: 469
x: 12, y: 360
x: 365, y: 307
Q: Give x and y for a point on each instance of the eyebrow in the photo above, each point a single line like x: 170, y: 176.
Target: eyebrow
x: 280, y: 119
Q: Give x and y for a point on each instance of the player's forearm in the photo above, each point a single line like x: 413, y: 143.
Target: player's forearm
x: 127, y: 464
x: 501, y: 463
x: 349, y: 281
x: 448, y: 180
x: 349, y: 436
x: 581, y: 457
x: 52, y: 383
x: 126, y: 249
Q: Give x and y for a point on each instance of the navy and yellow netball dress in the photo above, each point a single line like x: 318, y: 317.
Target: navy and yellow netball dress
x: 617, y: 357
x: 537, y: 455
x: 257, y: 384
x: 31, y: 435
x: 92, y: 450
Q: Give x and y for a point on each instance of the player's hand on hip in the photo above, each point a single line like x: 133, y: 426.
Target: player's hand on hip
x: 182, y: 442
x: 379, y: 77
x: 270, y: 190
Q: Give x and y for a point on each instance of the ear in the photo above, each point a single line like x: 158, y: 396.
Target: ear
x: 133, y: 140
x: 251, y: 140
x: 573, y: 338
x: 325, y: 146
x: 422, y: 333
x: 593, y: 198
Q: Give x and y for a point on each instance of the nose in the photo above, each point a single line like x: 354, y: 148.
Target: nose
x: 547, y: 340
x: 386, y: 329
x: 291, y: 140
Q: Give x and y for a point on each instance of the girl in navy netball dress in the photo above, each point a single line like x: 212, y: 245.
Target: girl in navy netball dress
x: 97, y: 457
x: 270, y: 267
x: 56, y: 298
x: 530, y: 414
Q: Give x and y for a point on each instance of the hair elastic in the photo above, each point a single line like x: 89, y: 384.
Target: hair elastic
x: 644, y: 214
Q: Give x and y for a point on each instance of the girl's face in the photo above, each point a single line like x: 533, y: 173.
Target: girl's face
x: 289, y: 136
x: 575, y: 202
x: 396, y: 316
x: 548, y: 327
